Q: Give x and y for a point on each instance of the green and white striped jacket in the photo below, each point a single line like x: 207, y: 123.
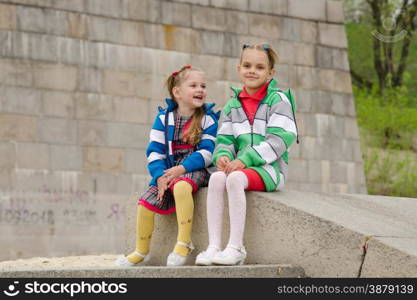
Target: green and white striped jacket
x: 263, y: 146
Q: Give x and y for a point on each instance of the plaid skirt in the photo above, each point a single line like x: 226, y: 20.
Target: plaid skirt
x: 197, y: 178
x: 167, y: 204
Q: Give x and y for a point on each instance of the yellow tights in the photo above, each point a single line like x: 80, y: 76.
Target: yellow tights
x: 184, y: 204
x: 144, y: 228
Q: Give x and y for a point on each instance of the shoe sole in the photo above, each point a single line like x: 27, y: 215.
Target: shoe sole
x: 203, y: 263
x: 184, y: 263
x: 238, y: 263
x: 124, y: 262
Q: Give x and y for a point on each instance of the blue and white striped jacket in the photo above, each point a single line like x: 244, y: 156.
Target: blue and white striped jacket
x: 159, y: 152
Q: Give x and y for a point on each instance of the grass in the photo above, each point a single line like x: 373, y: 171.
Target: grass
x: 390, y: 172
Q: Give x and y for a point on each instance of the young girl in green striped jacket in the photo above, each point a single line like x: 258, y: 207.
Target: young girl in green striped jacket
x: 251, y: 151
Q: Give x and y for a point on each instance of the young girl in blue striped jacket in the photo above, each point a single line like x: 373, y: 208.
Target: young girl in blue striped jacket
x: 180, y: 149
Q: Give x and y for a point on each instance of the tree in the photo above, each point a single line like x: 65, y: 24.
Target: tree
x: 394, y: 24
x: 355, y: 10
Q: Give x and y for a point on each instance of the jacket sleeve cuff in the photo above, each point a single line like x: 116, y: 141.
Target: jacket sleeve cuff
x: 247, y: 158
x: 157, y: 175
x: 188, y: 168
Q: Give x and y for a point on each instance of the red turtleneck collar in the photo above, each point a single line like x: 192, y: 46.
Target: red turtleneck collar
x: 258, y: 95
x: 250, y: 102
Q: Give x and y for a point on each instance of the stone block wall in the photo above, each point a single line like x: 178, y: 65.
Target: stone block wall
x: 80, y: 82
x: 46, y: 223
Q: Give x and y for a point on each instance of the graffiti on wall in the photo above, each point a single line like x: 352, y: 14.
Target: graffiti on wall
x: 50, y: 207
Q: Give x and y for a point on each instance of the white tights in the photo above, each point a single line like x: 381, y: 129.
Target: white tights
x: 235, y: 184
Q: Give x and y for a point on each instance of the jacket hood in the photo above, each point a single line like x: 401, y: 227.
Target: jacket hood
x: 208, y: 108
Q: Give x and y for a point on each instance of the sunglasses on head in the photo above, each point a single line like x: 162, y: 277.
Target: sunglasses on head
x: 263, y: 47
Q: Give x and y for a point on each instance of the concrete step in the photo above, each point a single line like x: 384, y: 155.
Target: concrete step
x: 102, y: 267
x: 246, y: 271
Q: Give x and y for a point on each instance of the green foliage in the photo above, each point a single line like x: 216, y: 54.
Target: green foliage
x: 387, y: 121
x: 360, y: 50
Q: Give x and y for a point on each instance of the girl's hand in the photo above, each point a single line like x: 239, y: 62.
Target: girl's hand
x: 162, y: 186
x: 174, y: 172
x: 222, y: 162
x: 233, y: 166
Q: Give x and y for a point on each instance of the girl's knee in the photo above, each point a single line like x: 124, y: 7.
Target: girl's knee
x: 218, y: 177
x: 182, y: 187
x: 145, y: 212
x: 236, y: 179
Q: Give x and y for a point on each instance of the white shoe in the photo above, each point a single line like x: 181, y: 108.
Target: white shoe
x: 175, y: 259
x: 221, y: 258
x: 124, y: 262
x: 204, y: 258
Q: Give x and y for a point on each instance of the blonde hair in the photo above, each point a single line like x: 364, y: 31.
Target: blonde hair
x: 193, y: 134
x: 270, y: 53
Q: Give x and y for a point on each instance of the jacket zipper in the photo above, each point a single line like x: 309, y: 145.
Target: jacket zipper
x: 254, y: 117
x: 251, y: 135
x: 166, y: 139
x: 251, y: 124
